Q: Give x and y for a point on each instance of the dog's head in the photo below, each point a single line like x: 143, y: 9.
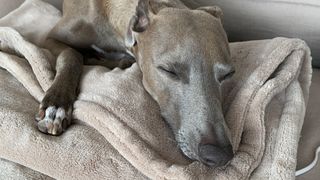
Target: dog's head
x: 184, y: 55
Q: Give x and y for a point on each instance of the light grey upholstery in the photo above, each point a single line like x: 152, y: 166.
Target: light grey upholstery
x: 263, y: 19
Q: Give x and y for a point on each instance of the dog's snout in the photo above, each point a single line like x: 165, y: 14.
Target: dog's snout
x: 213, y: 155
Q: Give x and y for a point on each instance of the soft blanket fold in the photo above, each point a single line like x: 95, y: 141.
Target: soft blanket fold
x: 126, y: 138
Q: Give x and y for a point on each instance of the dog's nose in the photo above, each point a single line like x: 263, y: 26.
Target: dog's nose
x: 214, y: 156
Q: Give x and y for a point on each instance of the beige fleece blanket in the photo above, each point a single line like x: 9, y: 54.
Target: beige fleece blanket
x: 119, y: 133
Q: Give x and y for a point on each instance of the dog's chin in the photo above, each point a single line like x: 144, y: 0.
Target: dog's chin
x: 193, y: 156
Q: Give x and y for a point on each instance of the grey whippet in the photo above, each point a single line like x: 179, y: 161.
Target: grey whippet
x: 183, y: 55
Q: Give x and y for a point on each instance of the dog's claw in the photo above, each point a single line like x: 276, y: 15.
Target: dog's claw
x: 40, y: 115
x: 53, y: 120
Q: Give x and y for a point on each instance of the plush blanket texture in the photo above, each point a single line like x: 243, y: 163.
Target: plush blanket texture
x: 119, y: 133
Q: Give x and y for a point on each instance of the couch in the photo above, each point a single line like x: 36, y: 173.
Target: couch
x: 247, y: 20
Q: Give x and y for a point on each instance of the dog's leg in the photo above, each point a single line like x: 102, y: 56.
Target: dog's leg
x: 121, y: 63
x: 56, y: 107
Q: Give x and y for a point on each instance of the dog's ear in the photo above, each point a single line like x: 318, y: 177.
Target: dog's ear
x: 139, y: 22
x: 141, y: 19
x: 213, y: 10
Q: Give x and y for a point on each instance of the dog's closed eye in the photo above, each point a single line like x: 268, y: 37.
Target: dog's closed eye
x: 167, y: 71
x: 226, y: 76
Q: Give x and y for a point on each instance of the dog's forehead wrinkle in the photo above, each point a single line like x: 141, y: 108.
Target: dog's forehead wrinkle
x: 186, y: 27
x: 190, y: 48
x: 187, y: 23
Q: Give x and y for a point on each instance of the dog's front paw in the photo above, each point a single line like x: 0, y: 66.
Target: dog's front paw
x: 54, y: 115
x: 53, y: 120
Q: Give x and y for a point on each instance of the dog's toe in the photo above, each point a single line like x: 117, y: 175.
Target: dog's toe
x: 53, y: 120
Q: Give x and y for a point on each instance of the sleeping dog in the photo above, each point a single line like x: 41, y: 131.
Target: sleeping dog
x: 183, y: 55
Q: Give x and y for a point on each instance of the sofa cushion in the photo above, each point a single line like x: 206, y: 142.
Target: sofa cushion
x: 264, y: 19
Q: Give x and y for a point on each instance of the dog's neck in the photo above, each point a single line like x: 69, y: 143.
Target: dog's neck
x: 119, y: 14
